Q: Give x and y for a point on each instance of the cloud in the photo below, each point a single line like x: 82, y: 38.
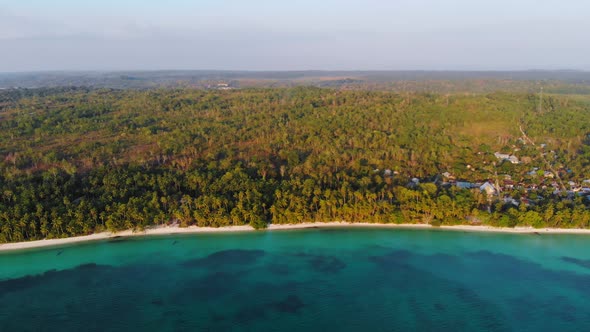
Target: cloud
x: 307, y: 34
x: 14, y: 26
x: 20, y: 26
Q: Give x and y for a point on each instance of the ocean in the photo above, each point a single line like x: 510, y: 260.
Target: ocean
x: 333, y: 279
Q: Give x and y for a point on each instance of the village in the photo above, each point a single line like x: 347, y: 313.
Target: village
x: 509, y: 189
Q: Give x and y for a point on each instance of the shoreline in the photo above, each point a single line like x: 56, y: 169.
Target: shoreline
x: 171, y: 230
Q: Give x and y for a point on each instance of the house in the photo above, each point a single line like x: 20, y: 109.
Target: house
x: 413, y: 183
x: 489, y: 188
x: 508, y: 184
x: 448, y: 176
x: 501, y: 156
x: 510, y: 200
x: 504, y: 156
x: 223, y: 86
x: 464, y: 185
x: 473, y: 220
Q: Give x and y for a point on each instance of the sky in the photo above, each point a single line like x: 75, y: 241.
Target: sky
x: 294, y: 35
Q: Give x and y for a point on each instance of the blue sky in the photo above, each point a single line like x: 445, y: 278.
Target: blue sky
x: 294, y: 35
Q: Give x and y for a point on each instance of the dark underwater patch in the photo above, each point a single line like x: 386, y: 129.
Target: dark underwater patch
x: 507, y: 265
x: 83, y: 298
x: 521, y: 305
x: 409, y: 274
x: 31, y: 281
x: 210, y: 287
x: 279, y: 269
x: 580, y: 262
x: 327, y: 264
x: 518, y: 269
x: 157, y: 302
x: 118, y: 239
x: 393, y: 259
x: 261, y: 287
x: 322, y: 263
x: 226, y: 257
x: 559, y: 307
x: 87, y: 266
x: 467, y: 295
x: 498, y: 268
x: 531, y: 306
x: 253, y: 312
x: 336, y: 230
x: 440, y: 307
x: 291, y: 304
x: 249, y: 314
x: 22, y: 283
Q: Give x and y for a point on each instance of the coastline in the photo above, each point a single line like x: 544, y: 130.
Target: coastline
x: 171, y: 230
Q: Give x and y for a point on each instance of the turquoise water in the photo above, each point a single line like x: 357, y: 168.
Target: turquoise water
x: 304, y: 280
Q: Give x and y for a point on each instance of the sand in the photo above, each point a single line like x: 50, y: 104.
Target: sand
x: 167, y: 230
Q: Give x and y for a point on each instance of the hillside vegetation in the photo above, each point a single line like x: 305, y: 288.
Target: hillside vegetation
x: 76, y: 161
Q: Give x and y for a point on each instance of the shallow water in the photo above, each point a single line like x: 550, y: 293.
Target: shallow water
x: 313, y: 280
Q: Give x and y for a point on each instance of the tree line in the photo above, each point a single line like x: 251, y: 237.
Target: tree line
x: 77, y: 161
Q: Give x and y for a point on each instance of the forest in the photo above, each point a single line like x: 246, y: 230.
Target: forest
x: 74, y: 161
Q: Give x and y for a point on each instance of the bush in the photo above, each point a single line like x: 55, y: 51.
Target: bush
x: 259, y: 224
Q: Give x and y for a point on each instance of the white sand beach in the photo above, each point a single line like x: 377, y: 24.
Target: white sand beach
x: 169, y: 230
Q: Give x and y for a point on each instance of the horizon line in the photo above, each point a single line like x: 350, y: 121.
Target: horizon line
x: 292, y: 70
